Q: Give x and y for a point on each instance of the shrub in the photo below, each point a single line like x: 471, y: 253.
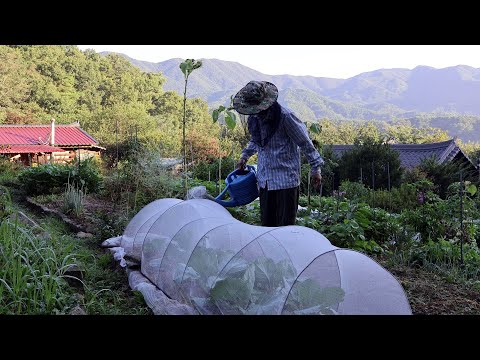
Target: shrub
x: 52, y: 178
x: 202, y: 169
x: 9, y: 170
x: 354, y: 190
x: 353, y: 225
x: 413, y: 175
x: 407, y: 196
x: 211, y: 186
x: 89, y: 173
x: 140, y: 179
x: 358, y: 161
x: 442, y: 175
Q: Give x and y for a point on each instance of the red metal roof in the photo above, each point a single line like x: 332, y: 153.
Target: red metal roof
x: 39, y: 134
x: 25, y: 149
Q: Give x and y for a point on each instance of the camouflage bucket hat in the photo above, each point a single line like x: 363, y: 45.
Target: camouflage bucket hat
x: 254, y: 97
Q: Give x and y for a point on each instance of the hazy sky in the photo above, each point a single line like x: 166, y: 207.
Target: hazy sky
x: 337, y: 61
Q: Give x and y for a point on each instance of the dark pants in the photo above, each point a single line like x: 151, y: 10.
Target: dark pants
x: 279, y: 207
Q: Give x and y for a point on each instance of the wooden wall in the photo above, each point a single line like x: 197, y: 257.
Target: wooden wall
x: 57, y: 157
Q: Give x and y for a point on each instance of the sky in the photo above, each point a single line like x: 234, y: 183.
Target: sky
x: 335, y: 61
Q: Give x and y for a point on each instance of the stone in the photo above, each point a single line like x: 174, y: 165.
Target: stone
x: 83, y: 235
x: 24, y: 219
x: 75, y: 271
x: 78, y: 310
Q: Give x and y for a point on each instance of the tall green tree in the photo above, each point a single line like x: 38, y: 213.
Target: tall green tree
x: 372, y: 162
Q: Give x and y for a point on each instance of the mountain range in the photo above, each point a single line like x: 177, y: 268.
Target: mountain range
x: 385, y: 94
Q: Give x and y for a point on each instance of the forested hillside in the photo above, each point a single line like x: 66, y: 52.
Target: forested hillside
x: 108, y: 95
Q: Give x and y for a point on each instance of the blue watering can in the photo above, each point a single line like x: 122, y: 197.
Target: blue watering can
x: 241, y: 186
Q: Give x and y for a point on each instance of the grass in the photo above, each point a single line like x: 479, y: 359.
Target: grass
x: 34, y: 275
x: 104, y: 289
x: 447, y: 267
x: 32, y: 271
x: 73, y: 199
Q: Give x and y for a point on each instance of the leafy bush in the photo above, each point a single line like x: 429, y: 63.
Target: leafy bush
x: 407, y: 196
x: 140, y: 179
x: 353, y: 225
x: 357, y: 163
x: 52, y: 178
x: 249, y: 214
x: 354, y: 190
x: 211, y: 186
x: 429, y: 220
x: 123, y: 150
x: 89, y: 172
x: 9, y: 170
x: 112, y: 224
x: 443, y: 175
x: 203, y: 168
x: 381, y: 226
x: 438, y: 217
x: 413, y: 175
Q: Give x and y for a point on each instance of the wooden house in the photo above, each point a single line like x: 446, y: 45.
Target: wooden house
x: 40, y: 144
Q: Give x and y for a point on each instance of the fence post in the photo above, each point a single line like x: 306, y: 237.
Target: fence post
x: 233, y: 157
x: 373, y: 185
x: 461, y: 216
x: 478, y: 168
x: 308, y: 188
x: 220, y: 175
x: 388, y: 175
x: 333, y: 190
x: 389, y: 188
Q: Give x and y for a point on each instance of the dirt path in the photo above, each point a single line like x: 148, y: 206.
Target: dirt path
x: 431, y: 294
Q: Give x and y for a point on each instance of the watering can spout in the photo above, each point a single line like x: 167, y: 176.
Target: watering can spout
x: 224, y: 203
x: 241, y: 185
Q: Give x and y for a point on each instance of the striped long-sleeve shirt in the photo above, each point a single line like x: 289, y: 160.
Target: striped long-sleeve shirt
x: 279, y: 160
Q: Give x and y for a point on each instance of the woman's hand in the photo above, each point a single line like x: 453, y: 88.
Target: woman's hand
x: 316, y: 180
x: 241, y: 164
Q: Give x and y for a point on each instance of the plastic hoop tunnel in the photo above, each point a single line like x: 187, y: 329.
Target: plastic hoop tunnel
x: 197, y: 253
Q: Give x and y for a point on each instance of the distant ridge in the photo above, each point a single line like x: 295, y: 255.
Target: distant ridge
x: 423, y: 92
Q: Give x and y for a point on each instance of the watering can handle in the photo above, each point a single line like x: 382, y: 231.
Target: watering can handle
x: 234, y: 174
